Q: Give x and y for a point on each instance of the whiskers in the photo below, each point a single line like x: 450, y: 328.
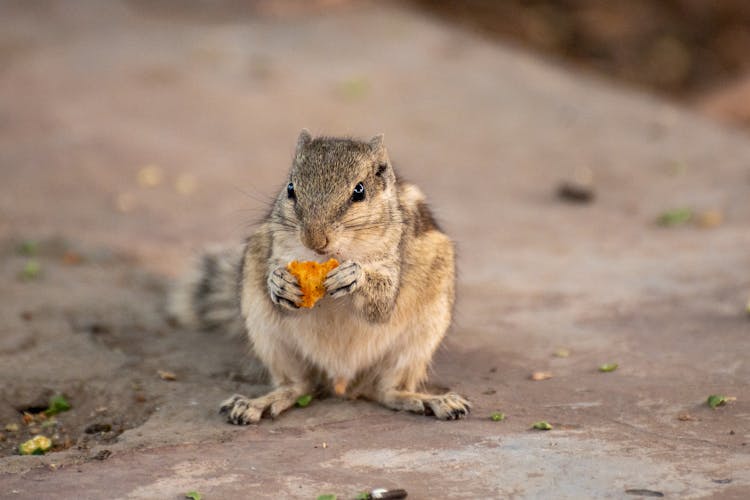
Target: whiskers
x: 283, y: 223
x: 256, y: 214
x: 365, y: 222
x: 257, y: 196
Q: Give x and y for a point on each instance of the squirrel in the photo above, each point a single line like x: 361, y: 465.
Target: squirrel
x: 388, y: 305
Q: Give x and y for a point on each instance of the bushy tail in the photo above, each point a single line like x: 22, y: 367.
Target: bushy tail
x: 208, y: 296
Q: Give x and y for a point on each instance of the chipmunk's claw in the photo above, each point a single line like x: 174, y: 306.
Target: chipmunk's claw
x: 344, y: 279
x: 239, y: 411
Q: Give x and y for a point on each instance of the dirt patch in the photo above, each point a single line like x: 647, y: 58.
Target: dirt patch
x: 101, y: 346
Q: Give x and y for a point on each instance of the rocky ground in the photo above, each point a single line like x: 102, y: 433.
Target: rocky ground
x: 134, y: 133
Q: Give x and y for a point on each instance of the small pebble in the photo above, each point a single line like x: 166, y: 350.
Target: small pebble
x: 71, y: 259
x: 97, y: 428
x: 165, y: 375
x: 102, y: 455
x: 580, y: 189
x: 382, y: 493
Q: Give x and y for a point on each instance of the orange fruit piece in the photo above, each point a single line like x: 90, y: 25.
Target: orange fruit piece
x: 310, y: 276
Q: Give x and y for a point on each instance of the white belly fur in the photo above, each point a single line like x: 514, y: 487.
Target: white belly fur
x: 336, y: 340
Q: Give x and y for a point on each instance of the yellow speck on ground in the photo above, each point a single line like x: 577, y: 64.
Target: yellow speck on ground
x: 150, y: 176
x: 35, y: 446
x: 710, y: 219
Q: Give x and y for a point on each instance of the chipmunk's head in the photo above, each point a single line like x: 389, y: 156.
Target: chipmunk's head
x: 340, y: 193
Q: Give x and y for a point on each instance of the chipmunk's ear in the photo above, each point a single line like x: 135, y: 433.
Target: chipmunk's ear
x: 376, y: 144
x: 381, y: 157
x: 304, y: 139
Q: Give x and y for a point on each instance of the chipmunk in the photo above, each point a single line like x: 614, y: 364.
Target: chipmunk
x: 388, y: 303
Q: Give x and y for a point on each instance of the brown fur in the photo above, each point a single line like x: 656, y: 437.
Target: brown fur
x: 390, y: 301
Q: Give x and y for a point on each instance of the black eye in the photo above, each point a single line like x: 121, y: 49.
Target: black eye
x: 290, y: 191
x: 359, y: 192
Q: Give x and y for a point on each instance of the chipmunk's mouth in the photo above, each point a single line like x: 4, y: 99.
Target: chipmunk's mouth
x: 330, y: 254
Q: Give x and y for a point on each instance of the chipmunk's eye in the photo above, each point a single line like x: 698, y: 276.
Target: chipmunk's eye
x: 290, y: 191
x: 359, y: 192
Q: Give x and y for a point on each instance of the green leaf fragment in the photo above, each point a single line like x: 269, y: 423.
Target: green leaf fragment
x: 542, y: 426
x: 57, y: 404
x: 676, y: 168
x: 327, y: 496
x: 608, y: 367
x: 193, y: 495
x: 29, y: 248
x: 49, y: 423
x: 715, y: 400
x: 31, y: 269
x: 675, y: 217
x: 363, y: 496
x: 355, y: 88
x: 497, y: 416
x: 303, y: 401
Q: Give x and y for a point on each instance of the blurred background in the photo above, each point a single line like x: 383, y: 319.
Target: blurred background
x: 168, y: 123
x: 570, y: 147
x: 149, y: 108
x: 693, y: 51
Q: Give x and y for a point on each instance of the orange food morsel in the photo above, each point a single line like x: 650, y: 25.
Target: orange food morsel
x: 311, y: 276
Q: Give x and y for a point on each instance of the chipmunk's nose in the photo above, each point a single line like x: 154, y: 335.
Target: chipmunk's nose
x: 315, y: 239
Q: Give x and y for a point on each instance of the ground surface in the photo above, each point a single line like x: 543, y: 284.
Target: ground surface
x: 92, y: 93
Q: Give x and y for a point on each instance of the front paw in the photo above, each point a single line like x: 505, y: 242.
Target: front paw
x: 449, y: 406
x: 344, y: 279
x: 239, y: 410
x: 284, y: 289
